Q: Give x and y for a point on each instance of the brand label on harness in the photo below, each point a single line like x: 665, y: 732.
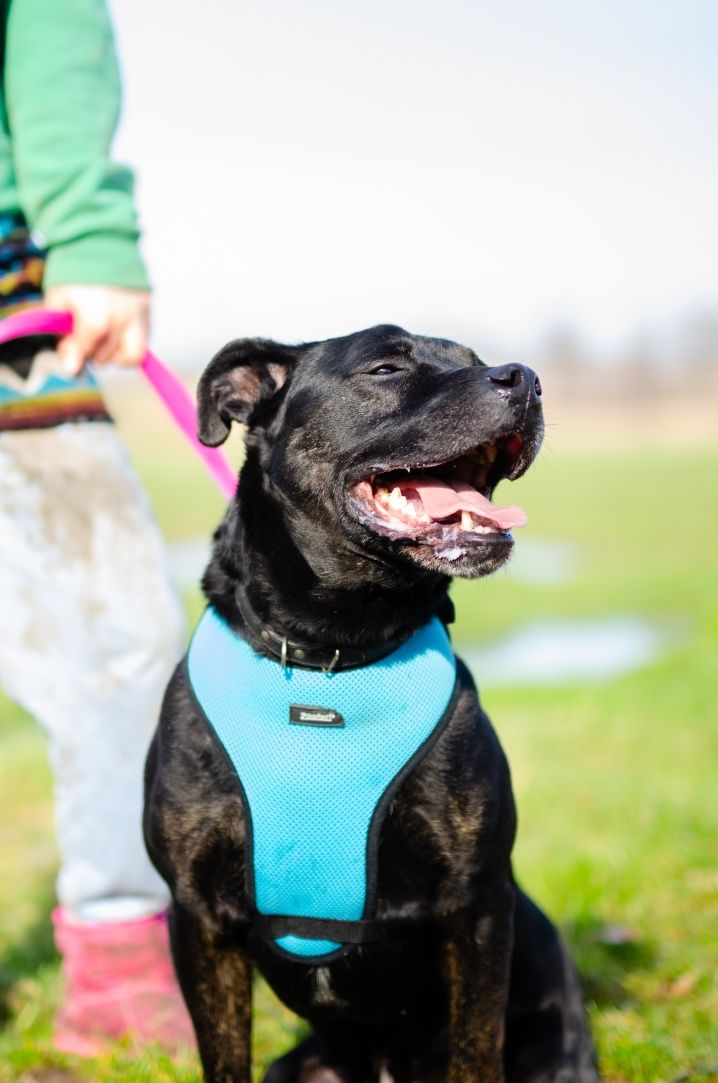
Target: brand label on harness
x: 314, y: 716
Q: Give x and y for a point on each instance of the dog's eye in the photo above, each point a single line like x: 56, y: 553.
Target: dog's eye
x: 383, y: 370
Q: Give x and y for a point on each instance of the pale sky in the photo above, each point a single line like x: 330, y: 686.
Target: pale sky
x: 482, y: 171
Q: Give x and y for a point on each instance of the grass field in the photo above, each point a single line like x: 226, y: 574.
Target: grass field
x: 616, y: 782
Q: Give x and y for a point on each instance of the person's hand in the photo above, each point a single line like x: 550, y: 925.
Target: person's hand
x: 110, y: 324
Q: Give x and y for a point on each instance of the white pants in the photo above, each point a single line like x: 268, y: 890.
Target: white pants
x: 90, y: 631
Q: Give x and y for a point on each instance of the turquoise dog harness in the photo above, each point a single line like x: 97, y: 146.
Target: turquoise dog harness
x: 318, y: 757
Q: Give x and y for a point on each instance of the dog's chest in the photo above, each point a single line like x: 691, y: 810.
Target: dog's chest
x: 319, y: 757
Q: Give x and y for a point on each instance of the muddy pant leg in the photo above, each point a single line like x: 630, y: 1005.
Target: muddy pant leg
x: 91, y: 630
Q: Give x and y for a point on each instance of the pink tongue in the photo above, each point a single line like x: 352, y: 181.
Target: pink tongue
x: 442, y: 498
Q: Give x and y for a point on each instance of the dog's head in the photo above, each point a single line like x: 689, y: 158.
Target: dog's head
x: 391, y: 441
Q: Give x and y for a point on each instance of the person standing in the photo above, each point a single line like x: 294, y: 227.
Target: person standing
x: 91, y: 625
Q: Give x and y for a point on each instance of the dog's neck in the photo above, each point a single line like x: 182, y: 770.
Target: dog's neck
x: 346, y: 600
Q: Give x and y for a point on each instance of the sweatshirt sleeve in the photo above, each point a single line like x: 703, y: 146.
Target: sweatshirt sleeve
x: 62, y: 89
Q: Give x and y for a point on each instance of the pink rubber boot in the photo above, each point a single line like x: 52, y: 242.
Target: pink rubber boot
x: 119, y: 982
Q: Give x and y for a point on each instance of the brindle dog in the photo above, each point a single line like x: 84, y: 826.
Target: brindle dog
x: 327, y: 548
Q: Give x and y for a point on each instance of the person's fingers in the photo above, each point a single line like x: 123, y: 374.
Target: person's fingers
x: 108, y: 348
x: 69, y: 356
x: 133, y: 343
x: 91, y: 323
x: 110, y: 325
x: 77, y: 349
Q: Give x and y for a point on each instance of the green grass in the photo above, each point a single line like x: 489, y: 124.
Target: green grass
x: 616, y: 782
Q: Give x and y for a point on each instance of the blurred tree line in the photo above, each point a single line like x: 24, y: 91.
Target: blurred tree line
x: 682, y: 361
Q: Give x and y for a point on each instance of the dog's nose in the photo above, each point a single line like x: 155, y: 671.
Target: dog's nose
x: 516, y: 382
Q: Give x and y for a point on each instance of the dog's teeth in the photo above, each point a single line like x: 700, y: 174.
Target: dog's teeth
x: 480, y: 457
x: 467, y: 520
x: 491, y: 452
x: 396, y: 499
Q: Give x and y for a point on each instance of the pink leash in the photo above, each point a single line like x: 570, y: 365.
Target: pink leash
x: 174, y: 395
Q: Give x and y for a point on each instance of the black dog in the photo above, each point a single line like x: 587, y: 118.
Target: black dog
x: 370, y: 463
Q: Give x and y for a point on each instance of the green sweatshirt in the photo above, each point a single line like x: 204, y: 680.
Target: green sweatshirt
x: 59, y: 105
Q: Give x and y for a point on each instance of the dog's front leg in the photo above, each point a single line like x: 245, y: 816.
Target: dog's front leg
x: 216, y: 980
x: 477, y: 961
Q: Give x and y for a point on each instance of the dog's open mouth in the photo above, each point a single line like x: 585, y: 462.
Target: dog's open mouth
x: 446, y: 500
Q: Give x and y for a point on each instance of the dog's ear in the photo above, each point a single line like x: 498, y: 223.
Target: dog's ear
x: 236, y: 379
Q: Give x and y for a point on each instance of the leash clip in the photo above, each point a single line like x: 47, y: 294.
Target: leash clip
x: 283, y: 658
x: 335, y: 659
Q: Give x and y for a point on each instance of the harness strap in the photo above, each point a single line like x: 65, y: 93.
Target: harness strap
x: 274, y: 926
